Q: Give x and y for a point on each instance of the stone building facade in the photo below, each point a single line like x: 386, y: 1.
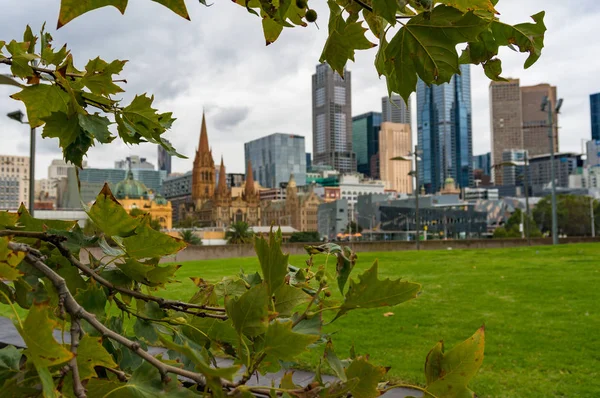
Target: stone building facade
x: 298, y: 209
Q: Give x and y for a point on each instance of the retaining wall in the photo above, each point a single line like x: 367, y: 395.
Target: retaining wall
x: 195, y: 253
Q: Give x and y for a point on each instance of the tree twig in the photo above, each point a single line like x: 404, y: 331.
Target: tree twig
x: 58, y: 240
x: 78, y: 388
x: 38, y: 69
x: 78, y: 312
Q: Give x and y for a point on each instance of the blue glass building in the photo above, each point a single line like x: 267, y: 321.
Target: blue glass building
x: 483, y: 162
x: 444, y: 130
x: 365, y: 140
x: 595, y: 111
x: 275, y: 157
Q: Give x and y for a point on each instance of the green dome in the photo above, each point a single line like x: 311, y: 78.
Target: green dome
x: 160, y: 200
x: 130, y: 188
x: 449, y: 180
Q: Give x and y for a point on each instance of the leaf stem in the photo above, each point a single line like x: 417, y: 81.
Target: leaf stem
x: 14, y: 310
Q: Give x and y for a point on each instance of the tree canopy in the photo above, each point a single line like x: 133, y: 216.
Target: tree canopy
x: 261, y: 321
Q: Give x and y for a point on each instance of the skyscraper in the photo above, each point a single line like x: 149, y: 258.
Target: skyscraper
x: 395, y: 139
x: 395, y: 110
x: 332, y: 119
x: 535, y: 121
x: 445, y: 133
x: 595, y: 111
x: 164, y: 159
x: 505, y: 120
x: 517, y: 120
x: 275, y: 157
x: 365, y: 140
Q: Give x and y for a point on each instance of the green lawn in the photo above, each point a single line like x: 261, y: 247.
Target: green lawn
x: 540, y: 306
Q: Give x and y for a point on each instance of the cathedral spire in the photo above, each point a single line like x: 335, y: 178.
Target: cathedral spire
x: 222, y: 185
x: 203, y: 147
x: 249, y: 189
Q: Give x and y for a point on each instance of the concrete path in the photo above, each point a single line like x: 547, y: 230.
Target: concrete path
x: 10, y: 336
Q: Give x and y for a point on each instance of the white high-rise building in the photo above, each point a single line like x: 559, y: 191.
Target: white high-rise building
x: 14, y: 181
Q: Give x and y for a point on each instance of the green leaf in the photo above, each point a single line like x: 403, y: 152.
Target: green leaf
x: 386, y: 9
x: 448, y: 374
x: 30, y: 38
x: 8, y: 219
x: 273, y: 262
x: 91, y: 353
x: 271, y: 29
x: 60, y: 125
x: 108, y: 215
x: 346, y: 259
x: 493, y: 69
x: 98, y: 76
x: 282, y: 343
x: 371, y: 292
x: 334, y: 362
x: 97, y: 127
x: 368, y: 376
x: 250, y: 312
x: 344, y: 38
x: 376, y: 23
x: 287, y: 298
x: 9, y: 81
x: 9, y: 261
x: 201, y: 365
x: 204, y: 330
x: 145, y: 382
x: 42, y: 349
x: 471, y: 5
x: 148, y: 243
x: 20, y: 59
x: 41, y: 100
x: 71, y: 9
x: 529, y: 37
x: 426, y: 46
x: 10, y: 358
x: 177, y: 6
x: 230, y: 287
x: 34, y: 224
x: 93, y: 299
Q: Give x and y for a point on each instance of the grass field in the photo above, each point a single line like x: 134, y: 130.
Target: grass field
x: 540, y: 306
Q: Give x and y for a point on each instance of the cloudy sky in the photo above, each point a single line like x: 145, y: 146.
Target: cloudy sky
x: 218, y: 62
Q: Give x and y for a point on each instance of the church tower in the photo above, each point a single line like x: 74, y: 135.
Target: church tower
x: 292, y: 203
x: 203, y: 173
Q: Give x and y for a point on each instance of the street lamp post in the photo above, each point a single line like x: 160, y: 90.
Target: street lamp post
x: 415, y: 173
x: 18, y: 116
x: 370, y: 224
x: 547, y: 107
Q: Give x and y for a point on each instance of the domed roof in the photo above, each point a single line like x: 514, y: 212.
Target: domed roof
x: 449, y: 181
x: 131, y: 188
x: 160, y: 200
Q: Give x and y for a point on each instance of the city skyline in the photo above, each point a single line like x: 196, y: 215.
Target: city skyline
x: 278, y: 76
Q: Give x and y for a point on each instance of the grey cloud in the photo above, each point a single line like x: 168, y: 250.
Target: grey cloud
x: 230, y: 117
x: 219, y: 61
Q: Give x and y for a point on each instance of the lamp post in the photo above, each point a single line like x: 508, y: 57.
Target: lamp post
x: 18, y: 116
x: 415, y: 173
x: 525, y: 164
x: 552, y: 111
x: 370, y: 225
